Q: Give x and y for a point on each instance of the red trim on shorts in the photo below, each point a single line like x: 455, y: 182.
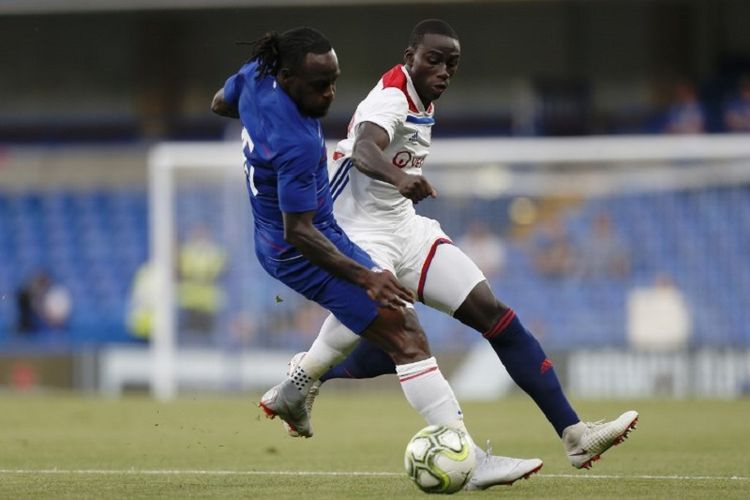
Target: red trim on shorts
x: 501, y: 325
x: 419, y: 374
x: 426, y: 265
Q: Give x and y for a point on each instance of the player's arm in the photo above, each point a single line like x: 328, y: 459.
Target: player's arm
x: 382, y: 287
x: 368, y: 158
x: 222, y: 107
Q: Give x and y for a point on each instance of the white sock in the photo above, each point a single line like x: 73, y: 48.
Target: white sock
x: 331, y: 346
x: 430, y: 394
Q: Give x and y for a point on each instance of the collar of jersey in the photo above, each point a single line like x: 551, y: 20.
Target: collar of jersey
x: 413, y: 93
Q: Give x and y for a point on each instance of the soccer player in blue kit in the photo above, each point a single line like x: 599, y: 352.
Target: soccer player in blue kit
x: 288, y: 83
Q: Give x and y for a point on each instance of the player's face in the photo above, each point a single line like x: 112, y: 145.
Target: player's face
x: 432, y: 64
x: 313, y: 86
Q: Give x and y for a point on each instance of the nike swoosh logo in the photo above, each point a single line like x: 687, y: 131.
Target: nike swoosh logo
x: 578, y: 453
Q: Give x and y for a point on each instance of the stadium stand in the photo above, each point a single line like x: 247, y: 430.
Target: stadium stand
x: 93, y: 241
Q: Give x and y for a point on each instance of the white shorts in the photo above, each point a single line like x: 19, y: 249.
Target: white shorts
x: 421, y: 256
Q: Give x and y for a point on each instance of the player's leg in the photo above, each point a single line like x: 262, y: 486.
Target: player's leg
x: 446, y: 279
x: 366, y: 360
x: 331, y: 346
x: 523, y: 357
x: 399, y: 334
x: 350, y: 305
x: 519, y: 351
x: 427, y: 390
x: 352, y: 311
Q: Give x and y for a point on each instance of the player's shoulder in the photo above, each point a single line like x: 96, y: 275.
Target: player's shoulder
x: 394, y: 86
x: 299, y: 135
x: 389, y: 91
x: 394, y: 78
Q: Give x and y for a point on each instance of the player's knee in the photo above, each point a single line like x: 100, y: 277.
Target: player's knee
x: 400, y: 335
x: 481, y: 309
x: 410, y: 348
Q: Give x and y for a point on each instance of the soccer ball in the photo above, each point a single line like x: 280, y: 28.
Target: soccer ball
x: 439, y: 459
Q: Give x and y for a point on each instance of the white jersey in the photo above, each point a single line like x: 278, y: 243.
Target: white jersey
x: 383, y: 222
x: 393, y: 105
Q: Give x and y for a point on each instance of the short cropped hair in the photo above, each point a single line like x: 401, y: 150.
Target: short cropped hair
x: 430, y: 27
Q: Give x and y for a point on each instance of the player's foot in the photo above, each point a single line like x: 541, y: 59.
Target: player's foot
x: 311, y: 395
x: 492, y: 470
x: 287, y: 402
x: 585, y: 441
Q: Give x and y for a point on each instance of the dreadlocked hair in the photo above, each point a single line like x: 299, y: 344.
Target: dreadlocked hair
x: 287, y: 50
x: 430, y: 27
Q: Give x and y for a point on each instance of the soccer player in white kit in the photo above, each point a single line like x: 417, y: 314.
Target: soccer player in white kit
x: 375, y: 181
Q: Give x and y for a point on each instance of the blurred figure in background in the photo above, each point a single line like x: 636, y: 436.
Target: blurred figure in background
x: 43, y: 305
x: 685, y: 114
x: 553, y: 253
x: 141, y: 302
x: 737, y: 110
x: 484, y: 247
x: 201, y: 262
x: 603, y: 254
x: 658, y: 317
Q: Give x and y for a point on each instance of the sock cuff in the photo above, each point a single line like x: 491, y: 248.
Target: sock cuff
x: 410, y: 371
x: 500, y: 325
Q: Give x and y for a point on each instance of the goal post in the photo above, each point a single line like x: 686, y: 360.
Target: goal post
x: 164, y: 161
x: 475, y: 178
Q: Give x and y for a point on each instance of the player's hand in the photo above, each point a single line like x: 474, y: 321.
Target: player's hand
x: 416, y: 188
x: 385, y: 289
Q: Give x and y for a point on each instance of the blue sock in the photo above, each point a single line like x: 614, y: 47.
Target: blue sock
x: 365, y: 361
x: 531, y: 369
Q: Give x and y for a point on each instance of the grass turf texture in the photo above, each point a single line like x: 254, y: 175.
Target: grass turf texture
x: 127, y: 448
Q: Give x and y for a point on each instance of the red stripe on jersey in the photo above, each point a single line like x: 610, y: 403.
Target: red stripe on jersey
x: 426, y: 266
x: 395, y: 78
x: 418, y: 374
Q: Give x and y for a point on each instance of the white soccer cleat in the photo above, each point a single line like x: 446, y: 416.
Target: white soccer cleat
x: 311, y: 394
x: 492, y: 470
x: 288, y: 403
x: 584, y: 442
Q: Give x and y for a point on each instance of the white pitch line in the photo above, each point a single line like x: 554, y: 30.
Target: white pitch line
x: 185, y: 472
x: 147, y: 472
x: 615, y: 476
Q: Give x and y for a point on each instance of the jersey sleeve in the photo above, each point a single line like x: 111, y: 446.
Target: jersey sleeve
x: 297, y: 189
x: 386, y: 108
x: 232, y: 88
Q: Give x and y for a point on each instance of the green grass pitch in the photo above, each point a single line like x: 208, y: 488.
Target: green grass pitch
x: 60, y: 446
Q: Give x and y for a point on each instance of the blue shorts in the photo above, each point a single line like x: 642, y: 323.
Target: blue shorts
x: 347, y: 301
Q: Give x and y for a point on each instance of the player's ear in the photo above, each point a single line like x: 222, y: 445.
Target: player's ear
x: 409, y: 56
x: 285, y: 77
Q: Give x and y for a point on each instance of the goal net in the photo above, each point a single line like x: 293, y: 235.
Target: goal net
x: 605, y: 242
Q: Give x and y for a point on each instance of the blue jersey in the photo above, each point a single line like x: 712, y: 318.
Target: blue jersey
x: 285, y: 159
x: 286, y: 170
